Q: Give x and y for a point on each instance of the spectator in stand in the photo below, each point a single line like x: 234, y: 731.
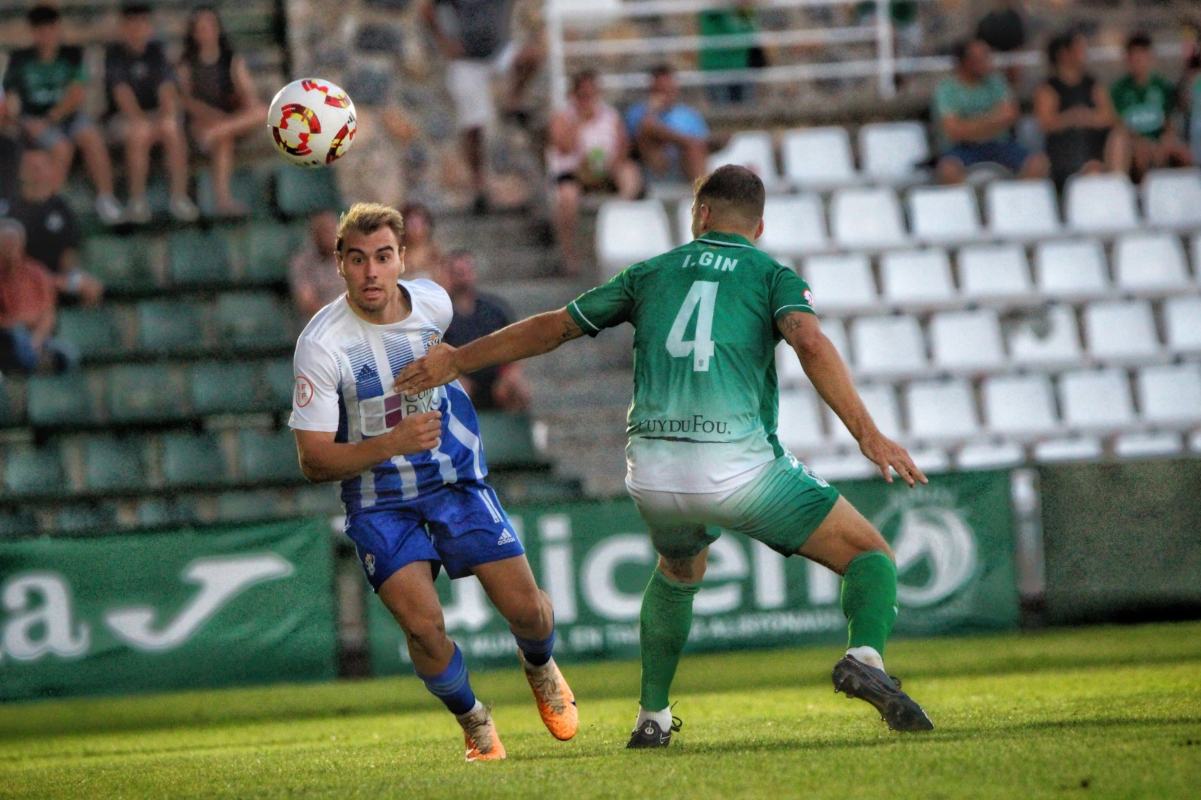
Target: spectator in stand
x: 671, y: 138
x: 313, y: 271
x: 46, y: 89
x: 1075, y: 113
x: 10, y: 155
x: 588, y: 152
x: 1190, y: 92
x: 27, y: 309
x: 475, y: 36
x: 975, y: 112
x: 738, y: 18
x: 1003, y: 29
x: 52, y: 233
x: 143, y: 110
x: 423, y: 257
x: 220, y: 99
x: 1145, y: 100
x: 477, y: 315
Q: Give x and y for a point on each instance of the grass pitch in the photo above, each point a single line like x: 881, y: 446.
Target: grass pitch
x: 1104, y: 712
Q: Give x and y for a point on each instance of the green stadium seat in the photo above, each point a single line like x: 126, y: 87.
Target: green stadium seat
x: 95, y: 331
x: 193, y: 460
x: 280, y: 381
x: 252, y: 321
x: 508, y: 439
x: 168, y: 326
x: 144, y: 393
x: 268, y: 456
x: 17, y: 524
x: 223, y: 387
x: 244, y: 506
x: 196, y: 258
x: 60, y: 400
x: 123, y: 264
x: 315, y: 500
x: 300, y: 192
x: 34, y: 471
x: 251, y: 187
x: 11, y: 412
x: 112, y: 464
x: 268, y: 249
x: 97, y: 520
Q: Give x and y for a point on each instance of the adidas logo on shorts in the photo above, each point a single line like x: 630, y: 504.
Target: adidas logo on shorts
x: 505, y: 538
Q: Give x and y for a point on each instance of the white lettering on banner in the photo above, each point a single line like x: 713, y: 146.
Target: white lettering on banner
x: 771, y: 587
x: 221, y: 578
x: 926, y: 526
x: 558, y: 568
x: 823, y: 583
x: 600, y: 572
x: 52, y: 618
x: 468, y: 608
x: 726, y: 562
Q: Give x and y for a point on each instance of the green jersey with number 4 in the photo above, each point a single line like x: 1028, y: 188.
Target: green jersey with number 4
x: 705, y: 393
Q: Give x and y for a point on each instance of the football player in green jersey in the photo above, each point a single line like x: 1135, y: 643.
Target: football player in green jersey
x: 703, y: 450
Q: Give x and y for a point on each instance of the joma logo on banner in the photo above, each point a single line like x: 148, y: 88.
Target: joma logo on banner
x: 40, y: 617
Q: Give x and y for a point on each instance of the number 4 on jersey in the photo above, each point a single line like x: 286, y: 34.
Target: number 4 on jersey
x: 702, y: 296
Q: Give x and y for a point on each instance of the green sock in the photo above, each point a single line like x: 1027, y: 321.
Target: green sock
x: 869, y: 600
x: 664, y: 623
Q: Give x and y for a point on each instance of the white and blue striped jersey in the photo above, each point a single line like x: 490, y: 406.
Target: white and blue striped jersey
x: 345, y: 368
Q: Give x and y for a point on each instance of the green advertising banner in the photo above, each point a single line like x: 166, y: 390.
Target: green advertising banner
x: 953, y: 539
x: 167, y: 611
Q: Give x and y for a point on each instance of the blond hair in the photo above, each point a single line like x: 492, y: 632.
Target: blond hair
x: 366, y: 218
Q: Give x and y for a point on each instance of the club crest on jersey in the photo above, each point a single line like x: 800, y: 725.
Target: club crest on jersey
x: 430, y: 337
x: 808, y: 297
x: 369, y: 563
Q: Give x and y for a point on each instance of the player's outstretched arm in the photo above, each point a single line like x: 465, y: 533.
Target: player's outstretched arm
x: 832, y: 379
x: 532, y: 336
x: 322, y: 459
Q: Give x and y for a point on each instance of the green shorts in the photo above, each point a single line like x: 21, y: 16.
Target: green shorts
x: 781, y: 506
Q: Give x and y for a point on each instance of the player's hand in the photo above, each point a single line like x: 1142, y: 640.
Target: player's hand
x: 435, y: 369
x: 417, y: 433
x: 885, y: 453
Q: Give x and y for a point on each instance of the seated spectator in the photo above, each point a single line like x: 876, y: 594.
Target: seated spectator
x: 1145, y: 100
x: 1075, y: 113
x: 737, y: 19
x: 10, y: 154
x: 52, y: 230
x: 313, y: 272
x: 672, y: 139
x: 975, y: 112
x: 221, y: 101
x: 143, y: 110
x: 423, y: 256
x: 45, y: 89
x: 588, y: 152
x: 27, y: 309
x: 477, y: 315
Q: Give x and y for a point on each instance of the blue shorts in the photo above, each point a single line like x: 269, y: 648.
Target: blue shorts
x: 1007, y: 153
x: 458, y: 526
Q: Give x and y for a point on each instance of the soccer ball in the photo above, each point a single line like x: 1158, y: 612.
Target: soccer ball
x: 312, y: 122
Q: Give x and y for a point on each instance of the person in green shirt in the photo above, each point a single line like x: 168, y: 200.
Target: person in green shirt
x: 1145, y: 101
x: 736, y: 20
x: 702, y: 448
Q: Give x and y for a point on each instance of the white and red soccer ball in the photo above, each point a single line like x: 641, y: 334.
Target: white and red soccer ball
x: 312, y: 122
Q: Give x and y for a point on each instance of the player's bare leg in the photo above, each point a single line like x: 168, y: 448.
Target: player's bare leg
x: 410, y: 596
x: 510, y: 586
x: 849, y: 544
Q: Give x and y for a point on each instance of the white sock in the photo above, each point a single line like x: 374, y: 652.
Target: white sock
x: 867, y: 655
x: 663, y: 718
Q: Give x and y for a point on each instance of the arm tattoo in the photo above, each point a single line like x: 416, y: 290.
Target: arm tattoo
x: 791, y: 322
x: 570, y: 330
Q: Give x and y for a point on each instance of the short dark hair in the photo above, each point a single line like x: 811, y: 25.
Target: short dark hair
x: 43, y: 14
x: 582, y: 76
x: 659, y: 70
x: 135, y: 10
x: 731, y: 189
x: 1138, y: 41
x: 960, y: 48
x: 1058, y: 44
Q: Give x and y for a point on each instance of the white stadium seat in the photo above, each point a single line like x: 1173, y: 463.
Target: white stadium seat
x: 941, y: 411
x: 888, y: 346
x: 1019, y: 406
x: 836, y: 332
x: 1071, y: 269
x: 1182, y: 319
x: 793, y: 225
x: 881, y: 403
x: 818, y: 158
x: 931, y: 460
x: 944, y: 214
x: 753, y: 150
x: 1120, y: 331
x: 1048, y: 339
x: 1096, y: 400
x: 1147, y: 445
x: 1150, y: 264
x: 967, y: 341
x: 841, y: 283
x: 1172, y: 198
x: 866, y: 218
x: 628, y: 231
x: 1170, y: 395
x: 1079, y: 448
x: 684, y: 221
x: 917, y: 279
x: 788, y: 367
x: 841, y: 466
x: 890, y: 152
x: 1022, y: 209
x: 800, y: 425
x: 1100, y: 203
x: 995, y: 273
x: 990, y: 455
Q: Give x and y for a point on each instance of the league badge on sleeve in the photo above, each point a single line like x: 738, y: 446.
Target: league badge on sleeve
x: 304, y: 391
